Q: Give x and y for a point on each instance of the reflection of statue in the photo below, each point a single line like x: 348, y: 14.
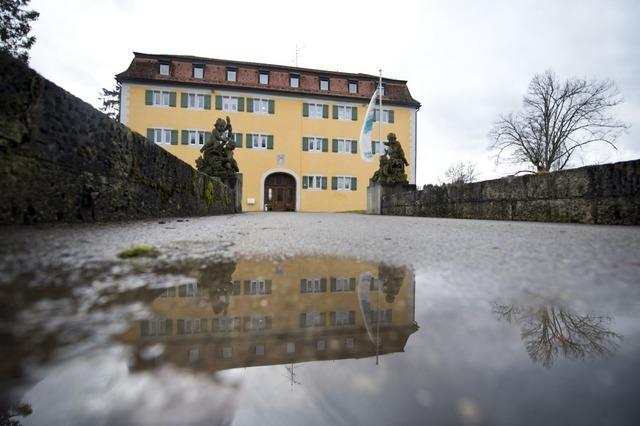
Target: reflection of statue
x: 217, y: 154
x: 392, y: 163
x: 392, y: 278
x: 217, y: 280
x: 550, y: 331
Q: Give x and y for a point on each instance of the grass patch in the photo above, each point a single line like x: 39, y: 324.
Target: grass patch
x: 139, y: 251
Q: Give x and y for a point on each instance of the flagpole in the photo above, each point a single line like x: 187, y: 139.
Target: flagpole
x: 380, y: 110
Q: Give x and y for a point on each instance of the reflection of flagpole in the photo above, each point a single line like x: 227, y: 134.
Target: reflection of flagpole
x: 380, y: 111
x: 378, y: 324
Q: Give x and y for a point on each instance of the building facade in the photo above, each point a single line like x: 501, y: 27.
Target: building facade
x: 296, y: 129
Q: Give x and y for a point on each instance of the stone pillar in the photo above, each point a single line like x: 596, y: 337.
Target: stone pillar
x: 377, y: 191
x: 235, y: 183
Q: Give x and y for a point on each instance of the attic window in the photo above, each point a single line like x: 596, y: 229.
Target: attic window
x: 164, y: 69
x: 353, y: 86
x: 264, y: 77
x: 198, y: 71
x: 232, y: 74
x: 324, y: 84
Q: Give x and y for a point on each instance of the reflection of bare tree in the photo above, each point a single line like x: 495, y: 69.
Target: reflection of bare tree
x: 551, y: 331
x: 8, y: 415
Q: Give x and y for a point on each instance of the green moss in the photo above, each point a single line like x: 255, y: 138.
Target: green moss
x: 194, y: 182
x: 208, y: 193
x: 139, y: 251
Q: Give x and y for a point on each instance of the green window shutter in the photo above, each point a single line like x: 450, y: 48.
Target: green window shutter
x: 334, y: 183
x: 144, y: 328
x: 354, y: 184
x: 207, y: 136
x: 303, y: 287
x: 325, y: 145
x: 246, y: 322
x: 303, y: 320
x: 184, y: 100
x: 185, y: 137
x: 268, y: 322
x: 352, y: 317
x: 207, y: 101
x: 249, y: 143
x: 324, y: 182
x: 272, y: 106
x: 305, y: 182
x: 323, y: 285
x: 323, y: 318
x: 182, y: 291
x: 180, y: 326
x: 305, y: 109
x: 218, y: 102
x: 150, y: 134
x: 174, y: 137
x: 325, y: 111
x: 375, y: 115
x: 333, y: 284
x: 354, y: 113
x: 168, y: 324
x: 305, y: 144
x: 334, y: 145
x: 203, y: 325
x: 148, y: 97
x: 249, y: 105
x: 241, y: 104
x: 270, y: 142
x: 247, y: 286
x: 354, y: 147
x: 172, y: 99
x: 238, y: 140
x: 352, y: 284
x: 391, y: 116
x: 267, y: 284
x: 332, y: 316
x: 335, y: 112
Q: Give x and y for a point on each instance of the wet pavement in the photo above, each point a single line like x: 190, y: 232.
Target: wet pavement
x: 320, y: 319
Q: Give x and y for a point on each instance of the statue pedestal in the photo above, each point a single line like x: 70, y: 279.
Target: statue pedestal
x: 376, y: 191
x: 235, y: 183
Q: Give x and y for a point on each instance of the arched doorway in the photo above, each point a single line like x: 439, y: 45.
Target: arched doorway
x: 280, y: 192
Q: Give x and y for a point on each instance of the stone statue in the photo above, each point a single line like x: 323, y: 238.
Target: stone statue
x: 217, y: 153
x: 392, y: 163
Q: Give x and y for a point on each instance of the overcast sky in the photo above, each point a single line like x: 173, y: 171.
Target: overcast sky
x: 466, y: 61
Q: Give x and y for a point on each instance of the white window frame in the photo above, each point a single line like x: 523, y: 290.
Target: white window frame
x: 259, y: 141
x: 161, y: 98
x: 260, y: 106
x: 344, y: 183
x: 194, y: 355
x: 321, y: 345
x: 345, y: 112
x: 342, y: 317
x: 227, y: 324
x: 162, y: 136
x: 192, y: 325
x: 258, y: 286
x: 230, y: 103
x: 257, y: 323
x: 199, y: 68
x: 314, y: 144
x: 162, y: 67
x: 291, y: 347
x: 314, y: 182
x: 313, y: 285
x: 295, y: 78
x: 381, y: 147
x: 344, y: 146
x: 232, y: 75
x: 195, y: 101
x: 227, y: 352
x: 260, y: 349
x: 326, y: 81
x: 349, y: 343
x: 313, y: 319
x: 385, y: 115
x: 264, y: 80
x: 354, y: 85
x: 157, y: 326
x: 342, y: 284
x: 197, y: 137
x: 316, y: 110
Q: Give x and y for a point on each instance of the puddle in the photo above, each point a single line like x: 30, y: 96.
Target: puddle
x: 313, y: 340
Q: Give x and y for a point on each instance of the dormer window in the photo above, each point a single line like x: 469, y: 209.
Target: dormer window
x: 232, y: 74
x: 381, y: 90
x: 264, y: 77
x: 294, y: 80
x: 324, y: 84
x: 198, y: 71
x: 353, y: 87
x: 164, y: 69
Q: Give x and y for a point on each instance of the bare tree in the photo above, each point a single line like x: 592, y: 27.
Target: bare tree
x: 111, y: 102
x: 15, y: 24
x: 550, y: 331
x: 461, y: 173
x: 557, y: 119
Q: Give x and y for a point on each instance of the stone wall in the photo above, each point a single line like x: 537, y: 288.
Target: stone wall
x: 603, y: 194
x: 61, y: 160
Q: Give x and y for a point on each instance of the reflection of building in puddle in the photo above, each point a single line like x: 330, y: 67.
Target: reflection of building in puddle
x: 549, y: 332
x: 261, y: 312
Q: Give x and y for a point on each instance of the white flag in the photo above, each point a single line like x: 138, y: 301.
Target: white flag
x: 365, y: 134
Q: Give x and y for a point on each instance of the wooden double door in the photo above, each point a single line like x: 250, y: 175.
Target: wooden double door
x: 280, y: 192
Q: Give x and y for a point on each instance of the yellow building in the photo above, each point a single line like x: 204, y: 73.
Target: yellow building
x: 260, y: 312
x: 296, y: 128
